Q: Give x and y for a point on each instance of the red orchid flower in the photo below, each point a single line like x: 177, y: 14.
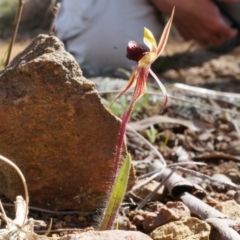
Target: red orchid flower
x: 140, y: 74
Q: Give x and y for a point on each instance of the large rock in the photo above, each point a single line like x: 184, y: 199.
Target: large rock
x: 54, y: 127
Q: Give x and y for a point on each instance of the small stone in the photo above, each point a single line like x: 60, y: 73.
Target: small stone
x: 154, y: 220
x: 122, y: 223
x: 68, y: 218
x: 148, y: 188
x: 82, y: 219
x: 237, y: 196
x: 224, y: 127
x: 230, y: 208
x: 58, y: 225
x: 209, y: 118
x: 154, y: 206
x: 151, y: 221
x: 179, y: 208
x: 234, y: 147
x: 171, y: 74
x: 138, y: 220
x: 189, y: 228
x: 225, y: 117
x: 172, y: 211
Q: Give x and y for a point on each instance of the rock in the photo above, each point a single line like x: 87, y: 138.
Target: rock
x: 107, y: 235
x: 230, y: 208
x: 172, y: 211
x: 179, y: 209
x: 149, y: 188
x: 188, y: 228
x: 138, y: 220
x: 151, y: 221
x: 54, y: 127
x: 123, y: 223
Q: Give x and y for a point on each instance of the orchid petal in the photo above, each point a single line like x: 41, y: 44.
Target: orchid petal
x: 140, y: 87
x: 164, y: 37
x: 164, y: 91
x: 149, y: 40
x: 147, y: 59
x: 131, y: 83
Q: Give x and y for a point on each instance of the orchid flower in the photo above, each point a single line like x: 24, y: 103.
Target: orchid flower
x: 140, y: 74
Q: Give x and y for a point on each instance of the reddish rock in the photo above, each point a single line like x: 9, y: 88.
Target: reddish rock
x: 152, y: 221
x: 179, y: 209
x: 54, y: 127
x: 138, y: 220
x: 172, y: 211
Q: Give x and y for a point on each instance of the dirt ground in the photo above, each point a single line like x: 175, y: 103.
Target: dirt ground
x: 216, y: 69
x: 198, y: 126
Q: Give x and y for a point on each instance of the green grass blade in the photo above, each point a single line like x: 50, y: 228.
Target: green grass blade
x: 117, y: 195
x: 2, y: 60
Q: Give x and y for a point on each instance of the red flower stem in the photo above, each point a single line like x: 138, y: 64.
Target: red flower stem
x: 122, y: 132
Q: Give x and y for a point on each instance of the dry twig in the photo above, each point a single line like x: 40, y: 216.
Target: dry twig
x: 211, y: 215
x: 15, y: 29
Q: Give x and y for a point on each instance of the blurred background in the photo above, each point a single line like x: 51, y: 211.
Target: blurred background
x: 37, y: 17
x: 181, y: 61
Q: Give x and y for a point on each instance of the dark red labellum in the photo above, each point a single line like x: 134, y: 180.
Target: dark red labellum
x: 135, y: 52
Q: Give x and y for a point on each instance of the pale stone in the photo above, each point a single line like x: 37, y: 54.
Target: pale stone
x: 108, y: 235
x: 187, y: 229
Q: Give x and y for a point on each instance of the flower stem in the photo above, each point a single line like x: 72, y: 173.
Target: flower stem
x: 121, y: 136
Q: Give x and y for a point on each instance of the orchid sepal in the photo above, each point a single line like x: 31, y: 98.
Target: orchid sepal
x: 131, y: 82
x: 165, y: 34
x: 149, y: 40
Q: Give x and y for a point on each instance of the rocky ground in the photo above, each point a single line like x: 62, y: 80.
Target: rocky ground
x: 199, y: 125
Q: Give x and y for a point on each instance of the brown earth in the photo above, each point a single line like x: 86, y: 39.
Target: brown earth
x: 216, y: 141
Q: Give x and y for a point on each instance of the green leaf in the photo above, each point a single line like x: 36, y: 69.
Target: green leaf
x: 116, y: 195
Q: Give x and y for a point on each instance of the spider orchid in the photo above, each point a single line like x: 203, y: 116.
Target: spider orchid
x: 140, y: 74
